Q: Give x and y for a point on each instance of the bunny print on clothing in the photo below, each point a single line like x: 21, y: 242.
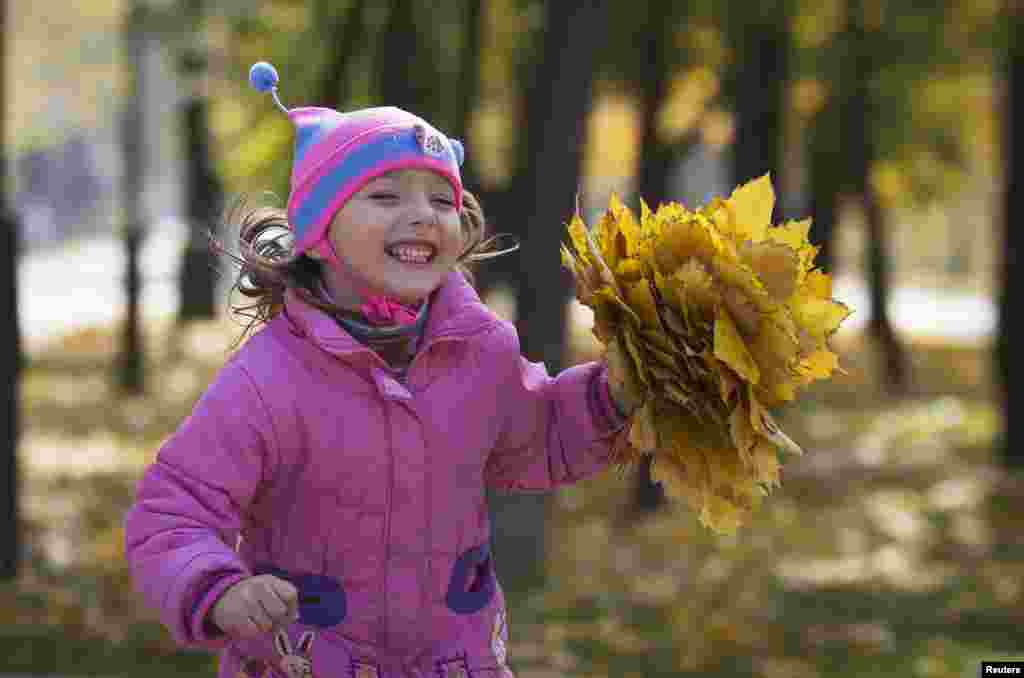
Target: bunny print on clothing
x: 295, y: 663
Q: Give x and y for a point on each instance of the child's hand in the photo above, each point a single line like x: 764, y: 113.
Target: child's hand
x: 256, y: 605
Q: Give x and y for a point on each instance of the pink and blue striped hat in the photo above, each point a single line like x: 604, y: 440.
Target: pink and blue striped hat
x: 336, y: 154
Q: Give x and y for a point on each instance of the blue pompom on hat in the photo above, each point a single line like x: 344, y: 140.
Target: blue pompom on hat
x: 263, y: 76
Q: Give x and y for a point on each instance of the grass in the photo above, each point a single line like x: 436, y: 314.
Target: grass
x: 891, y: 549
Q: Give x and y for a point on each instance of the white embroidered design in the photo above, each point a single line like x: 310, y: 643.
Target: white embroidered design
x: 498, y: 638
x: 295, y: 663
x: 430, y: 142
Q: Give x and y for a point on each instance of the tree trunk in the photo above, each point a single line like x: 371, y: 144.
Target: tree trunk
x: 559, y: 101
x: 760, y: 86
x: 468, y: 89
x: 861, y: 137
x: 408, y: 74
x: 1013, y: 213
x: 825, y: 181
x: 129, y: 369
x: 656, y: 160
x: 10, y: 366
x: 197, y: 281
x: 347, y: 35
x: 503, y: 270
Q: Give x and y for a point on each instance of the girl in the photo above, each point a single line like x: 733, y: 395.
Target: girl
x: 321, y: 511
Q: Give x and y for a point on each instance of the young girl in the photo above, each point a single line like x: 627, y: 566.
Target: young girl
x: 322, y: 511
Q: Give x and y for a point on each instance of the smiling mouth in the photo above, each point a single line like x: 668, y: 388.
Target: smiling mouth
x: 413, y: 254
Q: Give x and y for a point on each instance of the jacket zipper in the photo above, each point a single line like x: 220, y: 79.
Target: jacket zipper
x: 391, y: 457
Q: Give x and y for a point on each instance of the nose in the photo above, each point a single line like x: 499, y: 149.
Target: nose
x: 421, y: 210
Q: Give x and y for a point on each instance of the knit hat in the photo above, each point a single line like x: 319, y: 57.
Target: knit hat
x: 336, y: 154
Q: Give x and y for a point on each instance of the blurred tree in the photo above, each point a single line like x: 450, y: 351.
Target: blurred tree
x: 203, y: 199
x: 349, y: 36
x: 468, y: 85
x: 657, y: 159
x: 10, y: 367
x: 1013, y: 212
x: 862, y: 142
x: 759, y: 81
x: 129, y: 367
x: 409, y: 64
x: 501, y: 213
x: 825, y: 179
x: 558, y: 100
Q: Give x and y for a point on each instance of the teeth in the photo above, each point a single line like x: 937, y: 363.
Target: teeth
x: 412, y: 253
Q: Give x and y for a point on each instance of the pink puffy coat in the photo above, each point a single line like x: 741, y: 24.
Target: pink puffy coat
x: 307, y: 459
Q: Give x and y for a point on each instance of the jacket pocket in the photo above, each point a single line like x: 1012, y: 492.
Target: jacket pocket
x: 472, y: 582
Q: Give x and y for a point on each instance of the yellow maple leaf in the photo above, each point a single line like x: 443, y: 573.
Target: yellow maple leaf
x: 751, y: 205
x: 731, y: 349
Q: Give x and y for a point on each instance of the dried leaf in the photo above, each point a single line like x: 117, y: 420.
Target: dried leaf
x: 776, y: 265
x: 622, y: 376
x: 751, y: 205
x: 731, y: 349
x: 643, y: 434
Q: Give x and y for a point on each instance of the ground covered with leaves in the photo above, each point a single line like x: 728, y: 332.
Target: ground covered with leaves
x: 894, y: 546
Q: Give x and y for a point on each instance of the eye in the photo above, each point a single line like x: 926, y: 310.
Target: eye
x: 447, y: 202
x: 383, y: 196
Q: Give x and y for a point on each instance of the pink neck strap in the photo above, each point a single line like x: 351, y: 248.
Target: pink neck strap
x: 378, y: 309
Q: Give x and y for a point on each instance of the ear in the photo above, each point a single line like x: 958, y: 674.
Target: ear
x: 284, y: 646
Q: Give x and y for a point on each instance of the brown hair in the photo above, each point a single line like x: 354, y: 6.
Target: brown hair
x: 268, y: 265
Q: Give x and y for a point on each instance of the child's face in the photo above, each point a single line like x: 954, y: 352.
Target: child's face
x: 410, y: 206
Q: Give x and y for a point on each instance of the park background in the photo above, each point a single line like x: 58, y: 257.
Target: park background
x: 893, y: 546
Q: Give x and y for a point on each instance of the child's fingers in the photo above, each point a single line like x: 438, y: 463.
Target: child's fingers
x: 287, y: 599
x: 259, y: 617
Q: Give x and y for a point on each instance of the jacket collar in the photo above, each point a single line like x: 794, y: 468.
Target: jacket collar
x: 456, y: 312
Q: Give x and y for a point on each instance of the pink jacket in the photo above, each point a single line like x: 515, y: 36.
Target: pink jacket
x: 305, y: 458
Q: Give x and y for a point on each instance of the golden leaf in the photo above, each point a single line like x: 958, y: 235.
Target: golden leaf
x: 644, y: 435
x: 820, y: 317
x: 630, y: 341
x: 776, y: 266
x: 818, y: 284
x: 793, y: 234
x: 639, y: 298
x: 672, y: 475
x: 736, y: 274
x: 629, y: 270
x: 751, y: 205
x: 622, y: 376
x: 743, y: 435
x: 609, y: 296
x: 720, y: 515
x: 818, y: 365
x: 731, y: 349
x: 578, y: 234
x: 766, y: 461
x: 676, y: 394
x: 742, y: 310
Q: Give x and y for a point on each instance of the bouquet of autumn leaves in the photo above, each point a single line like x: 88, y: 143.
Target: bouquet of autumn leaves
x: 708, y: 318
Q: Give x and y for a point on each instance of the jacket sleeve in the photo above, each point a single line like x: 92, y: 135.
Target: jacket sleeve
x: 555, y: 431
x: 180, y: 532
